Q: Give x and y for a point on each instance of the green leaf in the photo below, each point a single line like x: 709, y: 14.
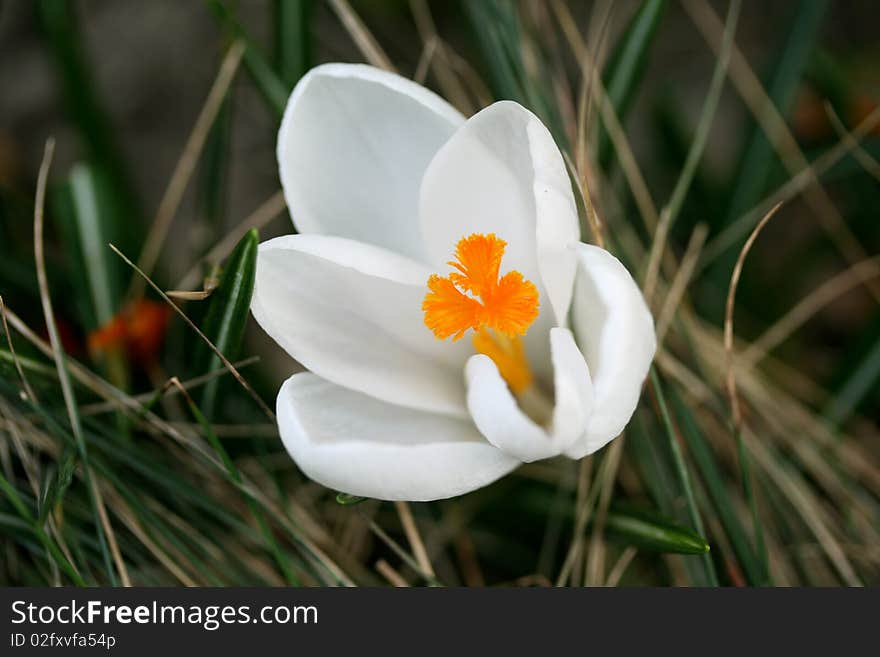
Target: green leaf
x: 649, y: 531
x: 498, y: 32
x: 625, y: 69
x: 58, y: 484
x: 758, y: 158
x: 272, y: 88
x: 228, y: 313
x: 349, y: 500
x: 254, y: 507
x: 88, y: 219
x: 858, y: 376
x: 293, y: 39
x: 712, y: 477
x: 51, y: 547
x: 681, y: 469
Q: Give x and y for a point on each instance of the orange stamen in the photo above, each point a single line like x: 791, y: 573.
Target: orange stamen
x: 474, y: 297
x: 497, y: 310
x: 449, y: 311
x: 509, y: 356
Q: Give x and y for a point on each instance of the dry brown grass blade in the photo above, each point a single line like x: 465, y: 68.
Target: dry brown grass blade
x: 209, y: 284
x: 24, y: 381
x: 415, y: 539
x: 672, y: 207
x: 31, y: 465
x: 595, y: 571
x: 794, y: 186
x: 362, y: 37
x: 596, y: 227
x: 58, y: 353
x: 387, y: 571
x: 107, y: 407
x: 585, y: 107
x: 429, y: 49
x: 266, y: 212
x: 681, y: 281
x: 107, y: 391
x: 616, y: 133
x: 620, y: 566
x: 223, y: 359
x: 440, y: 61
x: 799, y: 417
x: 803, y: 501
x: 730, y: 377
x: 585, y: 500
x: 828, y: 292
x: 186, y: 166
x: 870, y: 165
x: 192, y: 443
x: 395, y: 547
x: 765, y: 112
x: 128, y: 518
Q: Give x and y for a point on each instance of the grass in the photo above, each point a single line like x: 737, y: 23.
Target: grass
x: 751, y: 459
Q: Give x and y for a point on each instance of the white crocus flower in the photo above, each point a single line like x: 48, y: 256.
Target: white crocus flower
x: 387, y: 183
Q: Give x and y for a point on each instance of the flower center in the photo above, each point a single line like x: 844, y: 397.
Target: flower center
x: 498, y: 310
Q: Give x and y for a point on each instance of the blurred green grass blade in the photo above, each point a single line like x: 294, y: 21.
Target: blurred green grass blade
x: 498, y: 34
x: 831, y: 80
x: 672, y: 134
x: 497, y: 30
x: 707, y: 117
x: 87, y: 219
x: 293, y: 39
x: 681, y: 470
x: 62, y: 35
x: 16, y: 271
x: 58, y: 483
x: 712, y: 477
x: 228, y: 313
x: 654, y: 464
x: 74, y: 439
x: 861, y: 382
x: 758, y: 157
x: 152, y: 522
x: 646, y: 530
x: 745, y: 466
x: 235, y: 476
x: 27, y: 364
x: 344, y: 499
x: 214, y: 169
x: 67, y: 390
x: 625, y: 69
x: 858, y: 378
x: 51, y: 547
x: 272, y: 88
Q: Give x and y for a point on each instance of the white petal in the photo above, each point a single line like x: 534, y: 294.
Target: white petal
x: 500, y: 419
x: 615, y: 332
x: 351, y: 313
x: 353, y: 443
x: 502, y: 173
x: 573, y: 387
x: 353, y: 145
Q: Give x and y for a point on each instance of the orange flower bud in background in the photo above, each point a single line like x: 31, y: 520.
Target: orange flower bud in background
x: 138, y: 328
